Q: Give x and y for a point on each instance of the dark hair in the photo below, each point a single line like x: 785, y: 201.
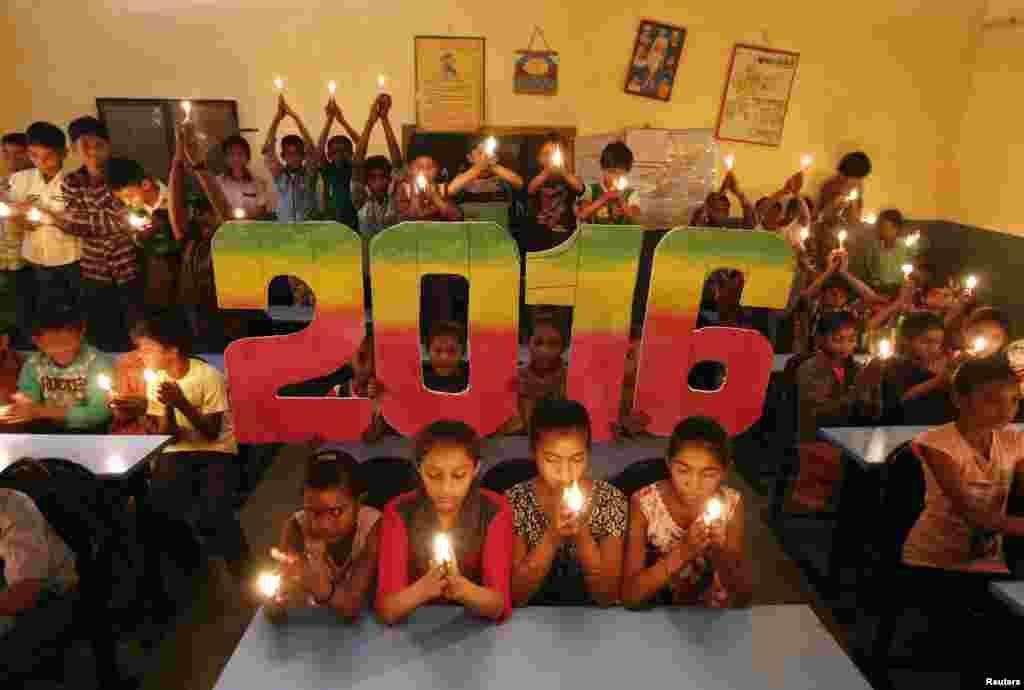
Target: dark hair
x: 377, y: 163
x: 332, y: 469
x: 442, y: 328
x: 836, y: 282
x: 989, y: 315
x: 704, y: 430
x: 123, y: 172
x: 855, y: 164
x: 87, y: 125
x: 975, y: 373
x: 892, y: 215
x: 342, y: 137
x: 15, y: 139
x: 616, y: 155
x: 236, y: 140
x: 834, y: 321
x: 293, y: 140
x: 446, y: 431
x: 552, y: 415
x: 168, y: 328
x: 552, y: 138
x: 57, y: 318
x: 917, y: 324
x: 45, y: 134
x: 549, y: 321
x: 935, y: 282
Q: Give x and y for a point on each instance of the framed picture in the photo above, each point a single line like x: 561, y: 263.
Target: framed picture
x: 450, y: 80
x: 536, y: 73
x: 657, y: 52
x: 756, y: 95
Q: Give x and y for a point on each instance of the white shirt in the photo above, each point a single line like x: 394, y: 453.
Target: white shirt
x: 205, y: 388
x: 29, y: 546
x: 48, y: 245
x: 252, y: 196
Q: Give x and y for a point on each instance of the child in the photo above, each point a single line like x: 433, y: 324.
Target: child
x: 880, y: 259
x: 14, y: 148
x: 915, y: 387
x: 714, y: 212
x: 990, y: 325
x: 373, y: 178
x: 969, y: 466
x: 128, y: 401
x: 543, y: 377
x: 835, y: 204
x: 672, y: 545
x: 833, y: 390
x: 146, y: 197
x: 336, y: 169
x: 329, y: 548
x: 294, y: 178
x: 449, y: 501
x: 58, y: 388
x: 562, y: 556
x: 784, y: 209
x: 553, y: 195
x: 187, y: 400
x: 609, y: 202
x: 445, y: 371
x: 51, y: 254
x: 486, y: 179
x: 241, y: 189
x: 419, y: 196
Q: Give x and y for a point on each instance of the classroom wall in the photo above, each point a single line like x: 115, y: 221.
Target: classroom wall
x: 883, y: 75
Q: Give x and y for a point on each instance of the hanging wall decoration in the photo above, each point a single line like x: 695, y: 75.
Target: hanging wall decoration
x: 536, y: 71
x: 756, y: 96
x: 657, y: 52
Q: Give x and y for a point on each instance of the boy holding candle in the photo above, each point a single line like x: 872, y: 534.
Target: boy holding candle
x: 373, y: 178
x: 553, y: 195
x: 419, y: 196
x: 986, y: 326
x: 486, y: 179
x: 880, y: 257
x: 58, y: 388
x: 336, y: 168
x: 295, y: 173
x: 612, y: 201
x: 915, y: 386
x: 714, y: 212
x: 242, y: 190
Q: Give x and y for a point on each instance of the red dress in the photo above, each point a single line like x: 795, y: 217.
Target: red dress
x: 489, y: 566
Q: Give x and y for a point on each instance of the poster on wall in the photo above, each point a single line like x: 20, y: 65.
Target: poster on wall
x: 657, y: 52
x: 450, y: 78
x: 756, y: 95
x: 536, y: 71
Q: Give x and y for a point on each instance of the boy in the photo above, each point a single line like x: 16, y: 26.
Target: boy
x: 52, y: 255
x: 485, y: 180
x: 714, y: 212
x: 609, y: 203
x: 14, y: 147
x: 915, y: 387
x: 419, y: 196
x: 990, y: 324
x: 784, y: 208
x: 112, y: 284
x: 446, y: 372
x: 294, y: 178
x: 336, y: 169
x: 372, y: 178
x: 242, y: 190
x: 834, y: 199
x: 147, y: 197
x: 833, y: 390
x: 829, y: 293
x: 553, y: 195
x: 879, y: 259
x: 58, y: 388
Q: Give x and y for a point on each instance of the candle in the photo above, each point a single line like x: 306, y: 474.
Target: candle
x: 805, y: 234
x: 713, y: 511
x: 884, y: 349
x: 806, y: 162
x: 279, y: 84
x: 490, y: 146
x: 907, y: 270
x: 979, y: 345
x: 573, y: 497
x: 421, y: 182
x: 239, y: 213
x: 870, y: 218
x: 842, y: 238
x: 556, y: 158
x: 443, y: 550
x: 5, y: 210
x: 853, y: 196
x: 382, y: 82
x: 279, y: 556
x: 268, y: 584
x: 730, y: 160
x: 104, y: 382
x: 149, y: 376
x: 137, y: 221
x: 34, y: 215
x: 912, y: 239
x: 187, y: 107
x: 622, y: 184
x: 971, y: 283
x: 332, y: 86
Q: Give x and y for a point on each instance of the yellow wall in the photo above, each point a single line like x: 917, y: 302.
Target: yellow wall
x: 991, y: 146
x: 883, y: 75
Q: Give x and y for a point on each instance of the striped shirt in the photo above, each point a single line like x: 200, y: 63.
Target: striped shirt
x: 95, y: 215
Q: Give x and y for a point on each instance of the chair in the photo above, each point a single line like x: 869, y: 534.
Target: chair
x: 76, y: 504
x: 640, y: 474
x: 384, y: 478
x: 508, y: 473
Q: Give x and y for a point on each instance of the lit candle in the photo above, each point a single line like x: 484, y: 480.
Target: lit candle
x: 104, y: 382
x: 870, y: 218
x: 853, y: 196
x: 971, y: 283
x: 806, y: 162
x: 268, y: 584
x: 279, y: 556
x: 884, y: 349
x: 421, y: 182
x: 382, y: 82
x: 979, y: 345
x: 730, y: 160
x: 556, y: 158
x: 5, y: 210
x: 805, y: 234
x: 34, y: 215
x: 187, y: 107
x: 912, y: 239
x: 137, y: 221
x: 622, y: 184
x: 443, y: 550
x: 490, y: 146
x: 713, y: 511
x: 149, y: 376
x: 279, y: 84
x: 573, y: 497
x: 239, y: 213
x: 908, y: 269
x: 332, y: 86
x: 842, y: 238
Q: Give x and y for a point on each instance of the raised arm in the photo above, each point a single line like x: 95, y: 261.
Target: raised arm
x: 394, y: 150
x: 508, y: 175
x: 213, y: 192
x: 586, y: 209
x: 273, y: 163
x: 176, y: 191
x: 329, y: 111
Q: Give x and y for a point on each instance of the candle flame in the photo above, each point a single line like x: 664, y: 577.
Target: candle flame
x: 442, y: 549
x: 421, y: 182
x: 907, y: 270
x: 805, y: 234
x: 971, y: 282
x: 573, y: 497
x: 5, y: 210
x: 104, y: 382
x: 556, y: 158
x: 490, y: 146
x: 842, y: 237
x: 137, y: 221
x: 870, y: 218
x: 382, y: 82
x: 149, y: 375
x: 268, y: 584
x: 713, y: 511
x: 279, y: 83
x: 239, y: 213
x: 332, y: 86
x: 884, y: 349
x: 187, y: 107
x: 853, y: 196
x: 622, y: 184
x: 806, y: 162
x: 979, y: 345
x: 912, y: 239
x: 34, y: 215
x: 730, y: 160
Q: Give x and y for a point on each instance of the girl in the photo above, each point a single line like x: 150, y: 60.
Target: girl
x: 242, y: 191
x: 677, y: 548
x: 561, y: 555
x: 329, y: 548
x: 969, y: 467
x: 478, y: 523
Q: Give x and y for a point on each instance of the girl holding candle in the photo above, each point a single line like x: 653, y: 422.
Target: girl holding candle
x: 564, y: 556
x: 241, y: 189
x: 476, y: 523
x: 686, y: 532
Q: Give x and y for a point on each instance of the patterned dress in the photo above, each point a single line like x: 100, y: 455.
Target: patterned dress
x: 565, y: 583
x: 697, y: 583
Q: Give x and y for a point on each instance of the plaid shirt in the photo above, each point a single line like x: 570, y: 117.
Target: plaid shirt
x: 11, y: 237
x: 95, y: 215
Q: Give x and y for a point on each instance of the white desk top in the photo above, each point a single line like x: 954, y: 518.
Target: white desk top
x: 770, y: 647
x: 871, y: 446
x: 106, y: 456
x: 1012, y: 593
